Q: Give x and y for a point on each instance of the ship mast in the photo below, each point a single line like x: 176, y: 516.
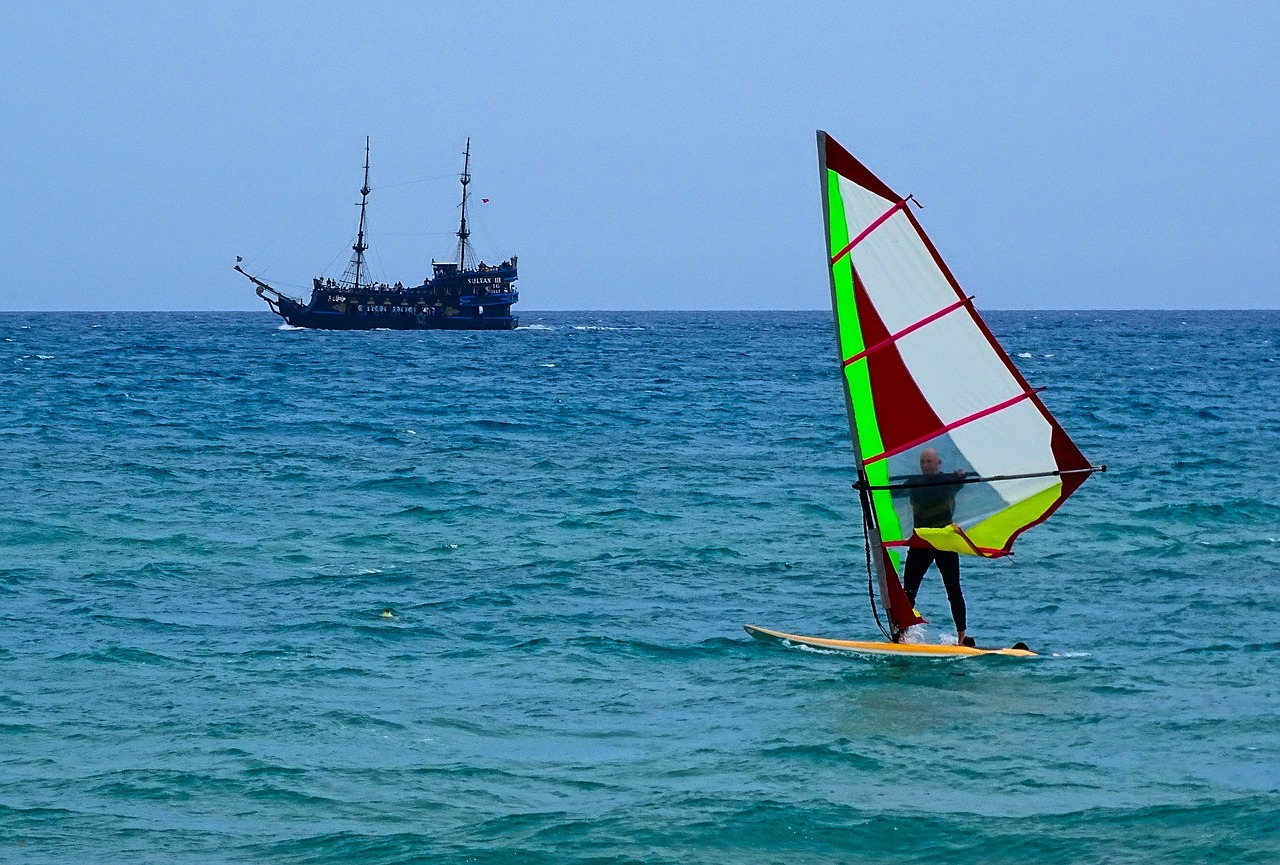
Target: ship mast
x: 357, y: 261
x: 463, y: 233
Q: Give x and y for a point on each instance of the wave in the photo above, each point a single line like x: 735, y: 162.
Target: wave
x: 843, y: 752
x: 1232, y: 648
x: 450, y: 511
x: 638, y: 514
x: 720, y: 830
x: 360, y: 720
x: 478, y: 599
x: 712, y: 554
x: 823, y: 512
x: 123, y: 655
x: 715, y: 646
x: 489, y: 423
x: 416, y: 485
x: 1247, y: 511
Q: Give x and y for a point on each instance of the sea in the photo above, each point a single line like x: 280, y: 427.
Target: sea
x: 278, y: 595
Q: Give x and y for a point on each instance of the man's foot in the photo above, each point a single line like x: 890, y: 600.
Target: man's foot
x: 968, y: 641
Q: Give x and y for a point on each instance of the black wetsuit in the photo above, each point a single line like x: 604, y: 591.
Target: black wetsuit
x: 931, y: 507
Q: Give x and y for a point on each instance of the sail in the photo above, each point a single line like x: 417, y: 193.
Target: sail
x: 923, y: 374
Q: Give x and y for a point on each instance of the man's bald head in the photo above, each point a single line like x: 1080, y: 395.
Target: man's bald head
x: 930, y: 462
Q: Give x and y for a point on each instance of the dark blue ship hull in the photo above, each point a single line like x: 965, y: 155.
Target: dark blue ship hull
x: 478, y: 299
x: 325, y: 320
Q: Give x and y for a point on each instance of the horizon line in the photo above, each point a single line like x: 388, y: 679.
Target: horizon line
x: 735, y: 309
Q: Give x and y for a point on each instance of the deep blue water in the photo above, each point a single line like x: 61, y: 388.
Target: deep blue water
x: 204, y: 516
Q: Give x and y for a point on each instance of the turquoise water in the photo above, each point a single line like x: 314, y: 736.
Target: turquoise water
x: 205, y: 516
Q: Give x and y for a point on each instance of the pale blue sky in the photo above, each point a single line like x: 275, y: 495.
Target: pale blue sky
x: 647, y: 156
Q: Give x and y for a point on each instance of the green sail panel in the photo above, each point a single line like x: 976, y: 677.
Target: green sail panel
x: 857, y: 382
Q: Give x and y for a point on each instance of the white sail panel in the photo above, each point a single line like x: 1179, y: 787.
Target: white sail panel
x: 900, y: 275
x: 861, y: 206
x: 1015, y: 441
x: 955, y: 367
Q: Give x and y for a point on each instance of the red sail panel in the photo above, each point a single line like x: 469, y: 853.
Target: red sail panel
x: 901, y: 612
x: 911, y: 416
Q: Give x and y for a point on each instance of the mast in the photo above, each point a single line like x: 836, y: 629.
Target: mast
x: 870, y: 523
x: 357, y: 261
x: 463, y: 233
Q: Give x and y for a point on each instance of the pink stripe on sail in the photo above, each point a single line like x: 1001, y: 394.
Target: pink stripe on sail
x: 908, y: 329
x: 959, y: 423
x: 870, y: 228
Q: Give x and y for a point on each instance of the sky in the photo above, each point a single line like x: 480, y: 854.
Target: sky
x: 657, y: 155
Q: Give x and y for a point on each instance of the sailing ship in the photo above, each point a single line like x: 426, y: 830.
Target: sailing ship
x: 922, y: 372
x: 458, y: 295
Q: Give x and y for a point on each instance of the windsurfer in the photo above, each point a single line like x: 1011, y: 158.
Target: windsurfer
x: 933, y: 501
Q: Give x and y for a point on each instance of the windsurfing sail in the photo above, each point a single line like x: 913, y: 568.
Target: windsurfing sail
x: 954, y: 450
